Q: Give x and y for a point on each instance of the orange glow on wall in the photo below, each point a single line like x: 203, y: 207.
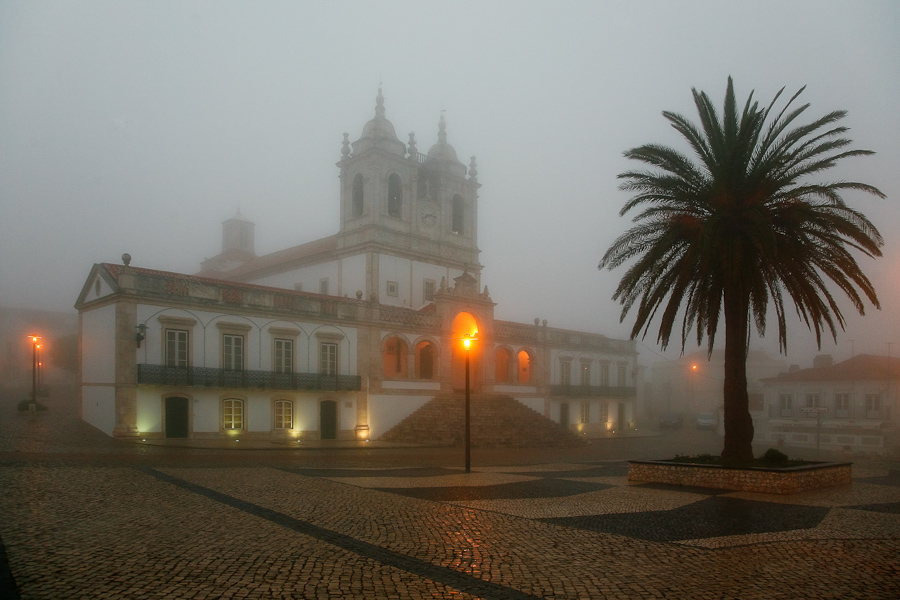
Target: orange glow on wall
x: 523, y: 367
x: 464, y: 325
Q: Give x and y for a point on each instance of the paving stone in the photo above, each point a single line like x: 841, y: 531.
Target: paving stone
x: 83, y: 516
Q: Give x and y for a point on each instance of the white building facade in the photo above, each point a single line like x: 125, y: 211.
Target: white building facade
x: 852, y: 406
x: 342, y: 337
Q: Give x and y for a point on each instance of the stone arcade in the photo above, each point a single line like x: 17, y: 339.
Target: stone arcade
x: 343, y: 337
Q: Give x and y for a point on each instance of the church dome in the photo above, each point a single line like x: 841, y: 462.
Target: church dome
x: 379, y: 132
x: 442, y: 151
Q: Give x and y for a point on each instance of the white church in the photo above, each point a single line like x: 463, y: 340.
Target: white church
x: 345, y: 337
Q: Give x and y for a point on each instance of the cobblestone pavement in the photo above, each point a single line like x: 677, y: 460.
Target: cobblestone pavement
x: 84, y: 516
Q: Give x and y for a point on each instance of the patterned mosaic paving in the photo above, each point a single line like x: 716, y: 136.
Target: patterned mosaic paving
x: 599, y: 499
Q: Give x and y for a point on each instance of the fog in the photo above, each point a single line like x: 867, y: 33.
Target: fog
x: 140, y: 126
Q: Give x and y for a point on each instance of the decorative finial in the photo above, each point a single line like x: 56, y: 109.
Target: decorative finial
x: 473, y: 169
x: 379, y: 104
x: 345, y: 146
x: 442, y: 129
x: 413, y: 151
x: 126, y: 258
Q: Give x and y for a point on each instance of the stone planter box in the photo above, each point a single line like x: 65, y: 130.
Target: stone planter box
x: 788, y: 480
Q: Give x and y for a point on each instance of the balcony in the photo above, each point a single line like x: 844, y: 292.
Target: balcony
x: 592, y: 391
x: 263, y: 380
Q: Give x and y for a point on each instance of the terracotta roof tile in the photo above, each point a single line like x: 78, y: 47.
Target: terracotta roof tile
x: 860, y: 367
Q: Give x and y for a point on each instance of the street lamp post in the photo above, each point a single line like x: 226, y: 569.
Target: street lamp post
x: 34, y: 349
x: 693, y: 402
x: 467, y: 344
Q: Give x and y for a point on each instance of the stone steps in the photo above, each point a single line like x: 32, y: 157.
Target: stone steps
x: 496, y: 421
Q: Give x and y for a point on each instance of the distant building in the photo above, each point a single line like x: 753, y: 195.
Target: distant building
x: 342, y: 337
x: 850, y: 406
x: 694, y: 384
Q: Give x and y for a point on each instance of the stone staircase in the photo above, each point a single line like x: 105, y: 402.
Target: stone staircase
x: 496, y: 421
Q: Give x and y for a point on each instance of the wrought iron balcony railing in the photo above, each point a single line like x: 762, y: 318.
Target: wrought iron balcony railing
x: 592, y: 391
x: 209, y: 377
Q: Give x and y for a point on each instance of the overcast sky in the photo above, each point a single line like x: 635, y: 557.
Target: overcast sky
x: 140, y: 126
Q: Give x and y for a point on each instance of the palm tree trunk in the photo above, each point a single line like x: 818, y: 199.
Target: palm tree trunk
x: 738, y: 447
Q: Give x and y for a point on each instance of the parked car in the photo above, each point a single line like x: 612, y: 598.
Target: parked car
x: 671, y: 421
x: 706, y: 421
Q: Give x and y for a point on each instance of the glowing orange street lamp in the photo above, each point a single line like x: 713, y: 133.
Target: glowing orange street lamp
x: 34, y: 350
x: 467, y: 344
x: 693, y: 377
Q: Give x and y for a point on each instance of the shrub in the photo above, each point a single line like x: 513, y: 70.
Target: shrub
x: 774, y: 457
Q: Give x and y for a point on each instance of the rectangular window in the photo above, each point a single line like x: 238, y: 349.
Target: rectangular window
x: 585, y: 412
x: 393, y: 288
x: 873, y: 406
x: 284, y: 414
x: 604, y: 412
x: 842, y: 405
x: 604, y: 375
x: 284, y: 356
x: 233, y: 413
x: 232, y: 352
x: 585, y: 374
x: 565, y: 372
x: 812, y: 401
x: 621, y: 376
x: 428, y: 290
x: 786, y: 405
x: 323, y: 286
x: 176, y: 348
x: 328, y: 364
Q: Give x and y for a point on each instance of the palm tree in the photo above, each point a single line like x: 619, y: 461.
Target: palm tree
x: 738, y: 226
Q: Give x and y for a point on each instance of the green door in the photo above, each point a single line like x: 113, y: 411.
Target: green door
x: 564, y: 415
x: 328, y: 420
x: 176, y: 417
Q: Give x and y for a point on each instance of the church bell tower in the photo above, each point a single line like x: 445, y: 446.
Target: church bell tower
x: 397, y: 200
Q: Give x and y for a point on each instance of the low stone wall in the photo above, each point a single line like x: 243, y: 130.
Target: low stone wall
x: 768, y: 481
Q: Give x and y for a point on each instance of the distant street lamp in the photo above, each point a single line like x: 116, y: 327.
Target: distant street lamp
x: 34, y: 363
x: 693, y: 402
x: 467, y: 344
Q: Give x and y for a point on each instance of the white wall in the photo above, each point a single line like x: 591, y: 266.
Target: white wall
x: 259, y: 414
x: 346, y: 413
x: 535, y: 404
x: 149, y: 410
x: 306, y: 414
x: 98, y: 348
x: 98, y: 407
x: 309, y: 278
x: 353, y: 275
x: 206, y: 413
x: 410, y: 275
x: 387, y: 411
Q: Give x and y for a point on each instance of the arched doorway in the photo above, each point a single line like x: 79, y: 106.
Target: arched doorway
x: 523, y: 367
x: 425, y: 360
x: 501, y: 366
x: 176, y: 417
x: 327, y: 420
x: 395, y: 358
x: 464, y: 324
